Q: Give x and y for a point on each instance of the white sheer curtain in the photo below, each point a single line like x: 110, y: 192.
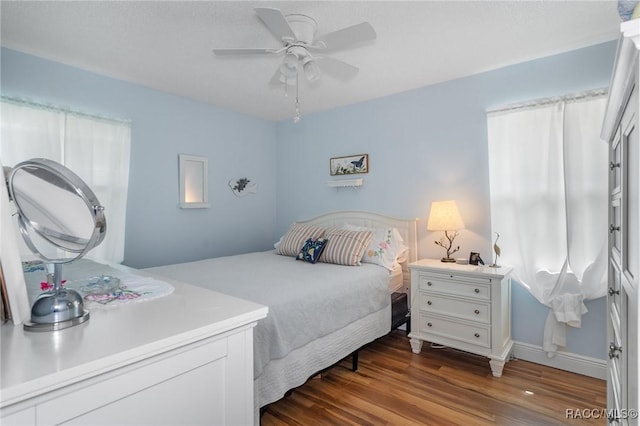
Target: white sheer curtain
x: 94, y: 148
x: 548, y: 182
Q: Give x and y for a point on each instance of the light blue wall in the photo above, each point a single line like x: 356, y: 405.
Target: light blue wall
x: 529, y: 317
x: 431, y: 144
x: 163, y: 125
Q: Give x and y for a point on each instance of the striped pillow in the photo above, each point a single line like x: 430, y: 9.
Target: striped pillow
x: 296, y: 236
x: 345, y: 247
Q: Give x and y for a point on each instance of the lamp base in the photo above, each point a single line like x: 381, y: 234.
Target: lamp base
x: 448, y: 260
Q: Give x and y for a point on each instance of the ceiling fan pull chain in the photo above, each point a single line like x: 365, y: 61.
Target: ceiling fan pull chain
x: 296, y: 117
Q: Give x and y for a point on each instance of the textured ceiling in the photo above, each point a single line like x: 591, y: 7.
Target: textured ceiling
x: 167, y: 45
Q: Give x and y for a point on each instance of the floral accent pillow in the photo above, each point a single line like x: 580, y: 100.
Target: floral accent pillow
x: 385, y: 248
x: 312, y: 250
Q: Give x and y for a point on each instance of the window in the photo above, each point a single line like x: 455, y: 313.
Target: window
x: 94, y: 148
x: 548, y: 184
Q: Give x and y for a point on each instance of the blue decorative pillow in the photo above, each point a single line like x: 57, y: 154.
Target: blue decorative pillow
x: 311, y: 250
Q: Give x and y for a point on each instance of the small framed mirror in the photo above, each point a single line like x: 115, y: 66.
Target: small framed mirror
x: 194, y: 181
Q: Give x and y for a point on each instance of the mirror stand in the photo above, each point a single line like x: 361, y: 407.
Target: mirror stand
x: 76, y: 225
x: 57, y: 308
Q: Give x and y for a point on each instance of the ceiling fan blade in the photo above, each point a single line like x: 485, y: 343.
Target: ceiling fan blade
x: 276, y: 22
x: 242, y: 51
x: 346, y: 37
x: 337, y: 68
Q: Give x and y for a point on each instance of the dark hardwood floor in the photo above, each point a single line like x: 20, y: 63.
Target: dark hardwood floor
x: 394, y: 386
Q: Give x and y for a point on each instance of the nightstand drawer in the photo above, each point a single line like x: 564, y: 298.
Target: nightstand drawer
x: 466, y: 309
x: 476, y: 290
x: 474, y: 334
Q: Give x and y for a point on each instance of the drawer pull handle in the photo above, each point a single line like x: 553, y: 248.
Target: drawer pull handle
x: 613, y: 165
x: 612, y: 291
x: 477, y: 311
x: 613, y: 228
x: 614, y: 351
x: 429, y: 324
x: 477, y: 290
x: 429, y: 283
x: 429, y: 302
x: 477, y: 335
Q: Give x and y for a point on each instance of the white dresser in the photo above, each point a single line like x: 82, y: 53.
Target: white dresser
x: 186, y: 358
x: 465, y: 307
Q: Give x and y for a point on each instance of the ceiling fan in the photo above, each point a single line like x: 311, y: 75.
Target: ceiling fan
x: 303, y: 52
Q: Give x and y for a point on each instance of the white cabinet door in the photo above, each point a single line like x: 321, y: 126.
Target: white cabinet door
x: 196, y: 397
x: 622, y: 132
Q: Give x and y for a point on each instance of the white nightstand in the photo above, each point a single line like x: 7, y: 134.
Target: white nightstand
x: 465, y: 307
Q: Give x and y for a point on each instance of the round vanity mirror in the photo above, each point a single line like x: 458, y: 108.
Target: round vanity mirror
x: 60, y: 220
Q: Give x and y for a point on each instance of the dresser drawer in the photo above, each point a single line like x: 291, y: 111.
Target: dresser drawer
x: 472, y: 310
x: 475, y: 334
x: 149, y: 380
x: 436, y: 284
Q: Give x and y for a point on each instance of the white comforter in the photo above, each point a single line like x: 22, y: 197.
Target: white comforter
x: 306, y: 301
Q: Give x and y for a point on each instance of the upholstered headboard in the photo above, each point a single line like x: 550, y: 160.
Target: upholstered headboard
x: 406, y: 227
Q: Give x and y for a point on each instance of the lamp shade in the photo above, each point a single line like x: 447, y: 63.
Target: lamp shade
x: 444, y: 216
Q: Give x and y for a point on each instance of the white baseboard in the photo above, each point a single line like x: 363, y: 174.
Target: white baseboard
x: 575, y: 363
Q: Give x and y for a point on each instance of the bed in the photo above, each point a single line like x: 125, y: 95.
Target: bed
x: 319, y: 313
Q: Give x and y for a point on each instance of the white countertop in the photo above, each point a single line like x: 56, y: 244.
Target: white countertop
x: 484, y: 270
x: 33, y: 363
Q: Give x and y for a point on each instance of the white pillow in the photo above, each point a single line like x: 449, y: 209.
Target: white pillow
x: 277, y: 243
x: 386, y: 247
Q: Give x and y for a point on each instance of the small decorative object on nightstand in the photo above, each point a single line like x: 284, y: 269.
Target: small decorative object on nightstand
x: 496, y: 250
x: 444, y: 216
x: 464, y: 307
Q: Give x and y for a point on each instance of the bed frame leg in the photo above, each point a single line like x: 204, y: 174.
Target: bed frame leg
x: 354, y: 361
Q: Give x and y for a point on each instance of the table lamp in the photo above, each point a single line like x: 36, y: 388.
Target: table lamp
x: 444, y: 216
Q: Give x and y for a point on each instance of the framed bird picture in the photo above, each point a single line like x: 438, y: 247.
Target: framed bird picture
x: 349, y: 165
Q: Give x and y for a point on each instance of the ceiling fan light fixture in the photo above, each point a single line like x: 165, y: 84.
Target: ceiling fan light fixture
x: 311, y: 69
x: 288, y: 81
x: 298, y: 43
x: 289, y: 66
